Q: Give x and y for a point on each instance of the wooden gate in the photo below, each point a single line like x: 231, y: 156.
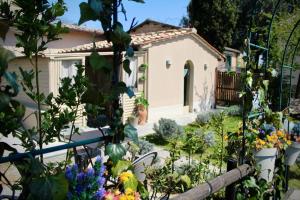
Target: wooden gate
x: 228, y: 86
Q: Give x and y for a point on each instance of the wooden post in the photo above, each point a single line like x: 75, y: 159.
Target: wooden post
x: 206, y: 189
x: 230, y: 189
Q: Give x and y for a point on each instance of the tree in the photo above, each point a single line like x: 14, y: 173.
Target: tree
x: 214, y: 20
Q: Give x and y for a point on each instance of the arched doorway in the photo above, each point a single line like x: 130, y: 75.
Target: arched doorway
x: 188, y: 86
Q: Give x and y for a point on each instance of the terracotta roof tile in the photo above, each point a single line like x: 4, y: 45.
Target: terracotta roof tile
x: 143, y: 39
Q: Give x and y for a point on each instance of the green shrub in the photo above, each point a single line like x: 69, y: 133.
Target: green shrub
x: 167, y: 128
x: 203, y: 118
x: 234, y: 110
x: 145, y: 147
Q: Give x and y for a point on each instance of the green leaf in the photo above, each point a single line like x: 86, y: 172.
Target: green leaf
x: 96, y: 5
x: 131, y: 183
x: 5, y: 57
x: 5, y: 146
x: 131, y: 132
x: 185, y: 179
x: 120, y: 37
x: 4, y: 100
x: 126, y: 66
x: 130, y: 52
x: 11, y: 77
x: 3, y: 29
x: 99, y: 62
x: 115, y: 151
x: 49, y: 187
x: 121, y: 166
x: 86, y: 13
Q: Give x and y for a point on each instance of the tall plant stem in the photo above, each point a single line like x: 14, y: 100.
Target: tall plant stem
x: 71, y: 133
x: 222, y: 146
x: 39, y: 105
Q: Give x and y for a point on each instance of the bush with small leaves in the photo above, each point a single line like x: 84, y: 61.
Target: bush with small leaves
x: 203, y: 118
x: 145, y: 147
x: 209, y: 139
x: 167, y: 128
x: 234, y: 110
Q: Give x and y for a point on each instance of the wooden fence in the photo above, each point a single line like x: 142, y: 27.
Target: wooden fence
x: 228, y: 86
x: 212, y: 186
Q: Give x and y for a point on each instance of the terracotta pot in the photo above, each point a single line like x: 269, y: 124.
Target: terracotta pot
x: 292, y: 153
x: 142, y: 114
x: 265, y: 158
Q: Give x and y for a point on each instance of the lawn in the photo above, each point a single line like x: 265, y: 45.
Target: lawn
x: 294, y: 179
x: 232, y: 123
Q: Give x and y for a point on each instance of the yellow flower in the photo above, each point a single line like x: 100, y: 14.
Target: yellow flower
x: 280, y: 133
x: 226, y: 137
x: 289, y: 142
x: 117, y: 192
x: 129, y: 191
x: 124, y: 176
x: 122, y: 197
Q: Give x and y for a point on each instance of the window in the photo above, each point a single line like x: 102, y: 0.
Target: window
x: 228, y: 62
x: 131, y: 81
x: 68, y: 68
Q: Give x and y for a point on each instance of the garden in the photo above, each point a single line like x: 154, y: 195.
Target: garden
x: 258, y: 140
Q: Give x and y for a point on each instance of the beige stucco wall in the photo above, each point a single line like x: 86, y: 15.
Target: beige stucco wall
x: 166, y: 84
x: 26, y: 65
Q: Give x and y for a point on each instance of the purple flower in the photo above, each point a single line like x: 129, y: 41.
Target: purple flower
x: 80, y: 177
x: 69, y: 175
x: 100, y: 193
x: 90, y: 172
x: 69, y: 195
x: 101, y: 181
x: 75, y: 168
x: 98, y: 160
x: 102, y: 170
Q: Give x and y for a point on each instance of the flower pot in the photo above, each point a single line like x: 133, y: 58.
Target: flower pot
x: 142, y: 114
x: 292, y: 153
x: 265, y: 158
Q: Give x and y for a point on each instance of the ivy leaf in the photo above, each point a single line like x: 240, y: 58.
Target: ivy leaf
x: 86, y: 13
x: 126, y: 66
x: 49, y: 187
x: 131, y: 132
x: 121, y: 166
x: 120, y: 37
x: 115, y: 151
x: 131, y: 183
x: 96, y: 5
x: 130, y: 92
x: 99, y: 62
x: 130, y: 52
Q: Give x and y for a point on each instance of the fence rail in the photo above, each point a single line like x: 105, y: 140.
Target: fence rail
x: 227, y: 87
x: 206, y: 189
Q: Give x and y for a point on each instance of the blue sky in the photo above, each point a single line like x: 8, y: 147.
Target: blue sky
x: 167, y: 11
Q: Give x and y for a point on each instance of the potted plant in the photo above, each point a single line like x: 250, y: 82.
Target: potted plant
x: 141, y: 105
x: 268, y: 142
x: 293, y: 151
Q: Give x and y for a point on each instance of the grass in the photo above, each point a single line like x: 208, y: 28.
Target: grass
x: 232, y: 123
x: 294, y: 179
